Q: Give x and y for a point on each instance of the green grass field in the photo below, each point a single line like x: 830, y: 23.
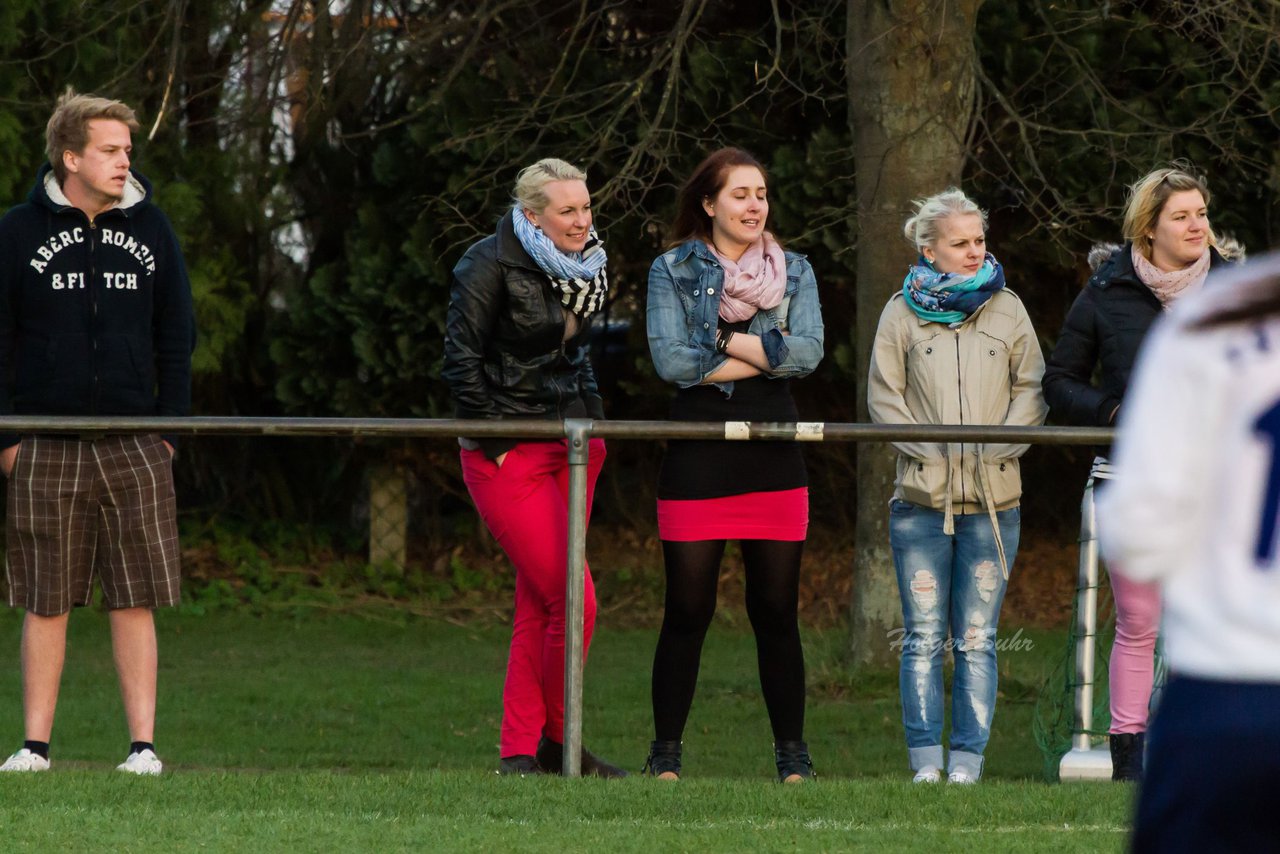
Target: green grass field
x: 316, y: 732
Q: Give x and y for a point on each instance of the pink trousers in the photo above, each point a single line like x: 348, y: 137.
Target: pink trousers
x: 524, y: 503
x: 1133, y: 654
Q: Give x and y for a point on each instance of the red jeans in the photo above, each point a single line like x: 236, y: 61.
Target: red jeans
x: 525, y: 505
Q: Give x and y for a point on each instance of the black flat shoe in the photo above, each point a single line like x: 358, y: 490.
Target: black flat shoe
x: 794, y: 764
x: 663, y: 761
x: 551, y: 758
x: 520, y: 765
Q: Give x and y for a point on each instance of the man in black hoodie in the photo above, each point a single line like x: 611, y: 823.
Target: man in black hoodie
x: 95, y: 319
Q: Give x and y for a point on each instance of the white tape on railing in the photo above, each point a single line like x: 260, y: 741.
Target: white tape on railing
x: 809, y: 431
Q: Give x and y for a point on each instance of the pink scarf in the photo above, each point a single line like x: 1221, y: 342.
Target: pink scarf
x: 756, y: 280
x: 1169, y: 286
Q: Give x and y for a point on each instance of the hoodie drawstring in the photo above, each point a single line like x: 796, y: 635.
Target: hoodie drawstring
x: 948, y: 514
x: 985, y: 490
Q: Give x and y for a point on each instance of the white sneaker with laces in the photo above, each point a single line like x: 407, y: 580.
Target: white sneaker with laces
x: 927, y: 774
x: 25, y: 760
x: 961, y: 777
x: 144, y: 763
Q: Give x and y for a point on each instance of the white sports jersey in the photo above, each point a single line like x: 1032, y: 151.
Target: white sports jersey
x: 1196, y: 495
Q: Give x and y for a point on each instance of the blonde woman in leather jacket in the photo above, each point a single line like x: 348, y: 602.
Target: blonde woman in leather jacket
x: 520, y: 306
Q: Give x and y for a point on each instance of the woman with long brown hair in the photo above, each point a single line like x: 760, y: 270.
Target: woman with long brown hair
x: 732, y: 318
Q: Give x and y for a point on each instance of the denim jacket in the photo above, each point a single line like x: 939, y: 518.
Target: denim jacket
x: 684, y: 307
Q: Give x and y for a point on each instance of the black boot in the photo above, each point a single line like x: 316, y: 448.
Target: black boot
x: 551, y: 758
x: 664, y: 758
x: 520, y: 765
x: 1126, y: 756
x: 792, y: 759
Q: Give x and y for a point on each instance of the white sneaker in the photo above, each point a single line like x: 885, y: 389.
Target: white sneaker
x: 927, y: 774
x: 25, y: 760
x: 961, y: 777
x: 144, y: 763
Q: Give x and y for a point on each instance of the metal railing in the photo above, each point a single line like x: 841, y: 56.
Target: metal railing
x: 578, y: 432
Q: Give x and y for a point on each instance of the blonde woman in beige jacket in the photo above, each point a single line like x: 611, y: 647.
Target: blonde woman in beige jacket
x: 954, y: 346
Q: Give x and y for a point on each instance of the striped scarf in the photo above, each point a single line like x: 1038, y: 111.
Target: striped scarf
x: 579, y: 277
x: 949, y: 297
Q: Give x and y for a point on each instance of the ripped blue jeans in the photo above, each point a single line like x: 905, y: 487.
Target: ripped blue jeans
x: 949, y: 584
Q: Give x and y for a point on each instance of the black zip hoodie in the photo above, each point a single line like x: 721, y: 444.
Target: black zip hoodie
x: 95, y: 318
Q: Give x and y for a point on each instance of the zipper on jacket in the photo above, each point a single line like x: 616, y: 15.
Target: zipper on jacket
x: 964, y: 493
x: 555, y: 372
x: 93, y: 317
x: 557, y: 310
x: 560, y: 395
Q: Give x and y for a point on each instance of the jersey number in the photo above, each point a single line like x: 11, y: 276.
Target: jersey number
x: 1268, y: 424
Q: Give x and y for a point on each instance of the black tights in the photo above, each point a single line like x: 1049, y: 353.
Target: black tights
x: 773, y: 581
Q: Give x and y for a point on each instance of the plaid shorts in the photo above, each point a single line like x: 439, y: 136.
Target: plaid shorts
x: 80, y: 505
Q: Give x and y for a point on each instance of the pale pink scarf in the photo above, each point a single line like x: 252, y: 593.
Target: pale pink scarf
x: 1169, y: 286
x: 756, y: 280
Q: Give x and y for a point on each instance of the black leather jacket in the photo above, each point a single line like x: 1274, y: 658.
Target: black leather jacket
x: 504, y: 352
x: 1105, y: 328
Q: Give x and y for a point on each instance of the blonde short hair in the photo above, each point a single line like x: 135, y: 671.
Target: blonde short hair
x: 530, y: 190
x: 922, y: 229
x: 68, y: 127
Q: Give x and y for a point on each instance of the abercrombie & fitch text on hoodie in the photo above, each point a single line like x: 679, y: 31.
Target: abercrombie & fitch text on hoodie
x: 46, y: 252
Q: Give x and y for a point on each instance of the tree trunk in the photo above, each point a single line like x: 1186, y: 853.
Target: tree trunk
x: 911, y: 66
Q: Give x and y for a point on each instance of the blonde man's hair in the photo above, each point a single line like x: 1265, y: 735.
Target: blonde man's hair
x: 922, y: 229
x: 1147, y: 197
x: 530, y: 190
x: 68, y: 127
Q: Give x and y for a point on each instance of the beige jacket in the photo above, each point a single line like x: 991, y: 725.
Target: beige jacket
x: 986, y: 371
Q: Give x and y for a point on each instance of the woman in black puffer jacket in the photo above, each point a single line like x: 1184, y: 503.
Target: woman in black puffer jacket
x: 1105, y: 328
x: 1169, y: 252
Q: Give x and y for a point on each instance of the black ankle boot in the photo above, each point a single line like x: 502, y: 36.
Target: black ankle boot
x: 551, y: 758
x: 664, y: 758
x: 792, y: 759
x: 1126, y: 756
x: 520, y: 765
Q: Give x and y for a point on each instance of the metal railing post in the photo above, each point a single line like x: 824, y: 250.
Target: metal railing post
x: 1086, y: 620
x: 1083, y: 761
x: 578, y: 432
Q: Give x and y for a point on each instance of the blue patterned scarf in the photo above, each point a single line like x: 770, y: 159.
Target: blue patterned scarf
x: 580, y: 277
x: 950, y: 297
